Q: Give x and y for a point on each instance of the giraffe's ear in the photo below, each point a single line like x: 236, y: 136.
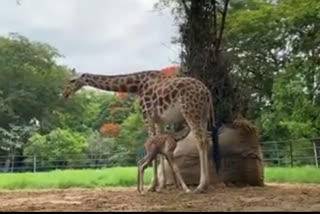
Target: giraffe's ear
x: 73, y: 71
x: 75, y: 74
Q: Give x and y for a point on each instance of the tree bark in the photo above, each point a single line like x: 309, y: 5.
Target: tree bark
x: 202, y: 57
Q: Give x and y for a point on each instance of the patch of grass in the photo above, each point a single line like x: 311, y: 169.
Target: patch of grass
x: 62, y: 179
x: 293, y: 175
x: 127, y: 176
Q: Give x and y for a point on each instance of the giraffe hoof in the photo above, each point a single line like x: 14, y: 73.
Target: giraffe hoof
x: 199, y: 191
x: 162, y: 187
x: 160, y: 190
x: 151, y: 189
x: 187, y: 191
x: 142, y: 193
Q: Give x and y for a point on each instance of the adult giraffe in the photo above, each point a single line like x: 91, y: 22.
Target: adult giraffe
x: 163, y: 100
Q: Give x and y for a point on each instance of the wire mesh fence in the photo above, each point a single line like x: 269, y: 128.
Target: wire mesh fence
x: 286, y: 153
x: 41, y: 163
x: 292, y: 153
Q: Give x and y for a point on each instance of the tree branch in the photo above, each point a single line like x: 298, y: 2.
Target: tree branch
x: 185, y: 6
x: 224, y: 15
x: 220, y: 10
x: 219, y: 6
x: 215, y: 21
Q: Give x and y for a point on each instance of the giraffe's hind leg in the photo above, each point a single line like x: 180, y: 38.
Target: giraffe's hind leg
x: 141, y: 168
x: 176, y: 173
x: 154, y: 181
x: 204, y: 163
x: 162, y: 172
x: 196, y: 119
x: 152, y: 131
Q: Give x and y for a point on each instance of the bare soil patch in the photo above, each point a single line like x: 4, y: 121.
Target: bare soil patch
x: 272, y: 197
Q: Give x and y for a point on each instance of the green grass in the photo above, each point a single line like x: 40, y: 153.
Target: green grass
x: 293, y: 175
x: 111, y: 177
x: 127, y: 176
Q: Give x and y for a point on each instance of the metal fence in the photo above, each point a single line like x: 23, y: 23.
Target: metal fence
x: 40, y: 163
x: 287, y: 153
x: 292, y: 152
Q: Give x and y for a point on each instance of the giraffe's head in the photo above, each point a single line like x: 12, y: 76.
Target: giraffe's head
x: 73, y: 85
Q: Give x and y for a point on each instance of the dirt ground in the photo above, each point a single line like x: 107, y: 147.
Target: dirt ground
x: 272, y: 197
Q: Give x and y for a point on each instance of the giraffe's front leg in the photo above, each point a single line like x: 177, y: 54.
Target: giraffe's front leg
x: 162, y: 171
x: 154, y: 181
x: 152, y: 132
x: 162, y: 174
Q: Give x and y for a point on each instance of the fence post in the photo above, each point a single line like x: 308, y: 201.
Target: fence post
x: 315, y: 153
x: 34, y: 163
x: 291, y: 154
x: 12, y: 162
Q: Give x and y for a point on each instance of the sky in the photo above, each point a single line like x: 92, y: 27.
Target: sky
x: 96, y: 36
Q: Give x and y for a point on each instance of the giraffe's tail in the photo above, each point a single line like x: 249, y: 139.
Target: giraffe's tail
x: 214, y: 135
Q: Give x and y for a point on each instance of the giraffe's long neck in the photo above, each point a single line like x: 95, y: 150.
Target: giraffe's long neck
x: 130, y: 83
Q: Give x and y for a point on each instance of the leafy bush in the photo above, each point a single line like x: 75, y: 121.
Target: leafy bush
x: 59, y: 148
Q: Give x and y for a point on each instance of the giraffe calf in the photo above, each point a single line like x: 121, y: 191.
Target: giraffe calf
x: 162, y: 144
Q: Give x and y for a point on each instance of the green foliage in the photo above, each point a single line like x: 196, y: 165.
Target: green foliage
x: 105, y: 109
x: 240, y: 5
x: 58, y: 148
x: 274, y: 49
x: 83, y: 112
x: 9, y: 141
x: 13, y: 139
x: 30, y: 87
x: 30, y: 81
x: 99, y: 145
x: 103, y: 150
x: 133, y: 132
x: 292, y: 113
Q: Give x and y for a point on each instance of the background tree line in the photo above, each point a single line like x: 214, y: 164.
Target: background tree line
x: 269, y: 51
x: 35, y: 120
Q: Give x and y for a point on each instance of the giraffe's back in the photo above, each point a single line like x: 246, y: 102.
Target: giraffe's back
x: 170, y: 96
x: 161, y: 143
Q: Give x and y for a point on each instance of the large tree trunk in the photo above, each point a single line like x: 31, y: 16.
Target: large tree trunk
x: 202, y: 58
